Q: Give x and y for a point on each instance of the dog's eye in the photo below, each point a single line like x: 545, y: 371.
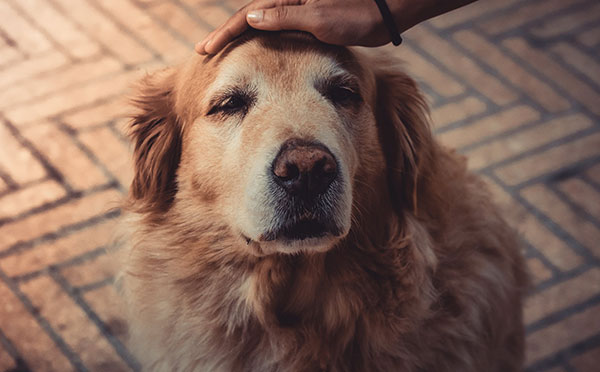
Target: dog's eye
x: 232, y: 104
x: 342, y: 95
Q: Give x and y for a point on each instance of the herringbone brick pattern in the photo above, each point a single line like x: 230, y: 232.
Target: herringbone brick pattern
x: 513, y: 84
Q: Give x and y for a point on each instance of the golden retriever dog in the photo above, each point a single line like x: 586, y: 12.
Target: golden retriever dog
x: 291, y: 211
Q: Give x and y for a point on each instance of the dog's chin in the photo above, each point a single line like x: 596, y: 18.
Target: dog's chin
x: 315, y: 244
x: 301, y: 236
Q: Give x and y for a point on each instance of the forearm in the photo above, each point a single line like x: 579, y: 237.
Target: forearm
x: 408, y: 13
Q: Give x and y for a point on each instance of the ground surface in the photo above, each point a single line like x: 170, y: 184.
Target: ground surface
x: 515, y: 85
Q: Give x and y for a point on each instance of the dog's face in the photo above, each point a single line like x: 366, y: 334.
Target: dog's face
x: 271, y: 136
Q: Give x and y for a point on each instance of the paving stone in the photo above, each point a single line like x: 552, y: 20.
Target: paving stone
x: 578, y: 226
x: 457, y: 111
x: 554, y: 158
x: 95, y: 270
x: 32, y: 67
x: 511, y: 71
x: 30, y: 197
x: 463, y: 66
x: 490, y: 126
x: 60, y: 250
x: 25, y: 333
x: 73, y: 325
x: 112, y: 152
x: 108, y: 304
x: 583, y: 195
x: 99, y: 113
x: 26, y: 36
x: 76, y: 43
x: 534, y: 232
x: 526, y: 140
x: 6, y: 361
x: 588, y: 361
x: 573, y: 329
x: 538, y: 271
x: 562, y: 295
x: 64, y: 215
x: 17, y: 160
x: 64, y: 155
x: 60, y: 79
x: 571, y: 85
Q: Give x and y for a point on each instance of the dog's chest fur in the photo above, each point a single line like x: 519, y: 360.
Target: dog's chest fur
x: 330, y: 311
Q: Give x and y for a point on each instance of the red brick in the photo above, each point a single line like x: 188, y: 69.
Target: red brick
x: 73, y: 325
x: 95, y: 270
x: 562, y: 295
x: 7, y: 363
x: 64, y: 155
x: 457, y: 111
x: 147, y: 29
x: 590, y: 37
x: 583, y: 195
x: 526, y: 140
x: 73, y: 98
x: 594, y: 173
x: 569, y: 331
x: 463, y: 66
x: 213, y: 14
x: 425, y: 71
x: 108, y: 304
x: 105, y: 31
x: 60, y: 250
x: 30, y: 197
x: 32, y: 343
x: 489, y: 126
x: 76, y: 43
x: 538, y: 271
x: 580, y: 229
x: 534, y: 232
x: 31, y: 67
x: 179, y: 20
x: 17, y: 160
x: 97, y: 114
x: 57, y: 81
x: 9, y: 54
x: 111, y: 151
x: 584, y: 63
x: 27, y: 37
x: 533, y: 87
x: 469, y: 12
x: 572, y: 86
x: 553, y: 158
x: 54, y: 219
x: 567, y: 22
x: 524, y: 14
x: 587, y: 362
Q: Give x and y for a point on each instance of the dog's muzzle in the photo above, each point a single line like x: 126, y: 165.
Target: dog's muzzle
x: 306, y: 185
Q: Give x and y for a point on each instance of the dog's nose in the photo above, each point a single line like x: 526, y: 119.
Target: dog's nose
x: 304, y: 169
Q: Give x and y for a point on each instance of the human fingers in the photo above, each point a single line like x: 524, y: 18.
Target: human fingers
x: 235, y: 25
x: 291, y: 17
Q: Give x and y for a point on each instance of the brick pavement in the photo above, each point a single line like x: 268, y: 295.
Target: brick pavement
x: 513, y: 84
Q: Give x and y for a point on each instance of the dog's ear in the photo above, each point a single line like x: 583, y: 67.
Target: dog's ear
x: 404, y: 132
x: 156, y: 134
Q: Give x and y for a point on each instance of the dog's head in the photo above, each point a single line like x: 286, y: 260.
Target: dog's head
x: 280, y: 139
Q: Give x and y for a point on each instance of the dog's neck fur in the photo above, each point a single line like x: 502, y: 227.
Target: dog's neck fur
x: 306, y: 299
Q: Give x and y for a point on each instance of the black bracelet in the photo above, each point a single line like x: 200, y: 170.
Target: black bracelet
x: 389, y: 22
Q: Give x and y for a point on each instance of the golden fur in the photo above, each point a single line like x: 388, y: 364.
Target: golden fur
x: 427, y: 277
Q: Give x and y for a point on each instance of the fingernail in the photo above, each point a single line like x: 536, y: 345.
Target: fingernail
x: 255, y: 16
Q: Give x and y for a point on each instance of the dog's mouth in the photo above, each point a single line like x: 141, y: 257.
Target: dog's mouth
x: 301, y: 229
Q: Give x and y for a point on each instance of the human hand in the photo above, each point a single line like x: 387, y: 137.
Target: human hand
x: 348, y: 22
